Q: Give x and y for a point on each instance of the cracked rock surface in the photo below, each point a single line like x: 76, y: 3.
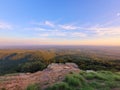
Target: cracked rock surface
x: 52, y: 74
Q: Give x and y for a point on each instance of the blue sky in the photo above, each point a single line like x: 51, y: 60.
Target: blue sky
x: 61, y: 22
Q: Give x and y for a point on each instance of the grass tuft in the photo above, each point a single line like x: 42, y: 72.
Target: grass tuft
x: 100, y: 80
x: 59, y: 86
x: 33, y: 87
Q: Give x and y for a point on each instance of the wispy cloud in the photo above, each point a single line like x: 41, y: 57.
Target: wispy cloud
x: 5, y: 26
x: 48, y: 23
x: 35, y: 28
x: 106, y: 30
x: 44, y: 35
x: 118, y: 14
x: 68, y: 27
x: 78, y: 34
x: 56, y: 26
x: 44, y: 23
x: 53, y: 34
x: 77, y: 31
x: 65, y: 35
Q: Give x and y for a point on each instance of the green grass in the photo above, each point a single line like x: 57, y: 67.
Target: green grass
x: 100, y: 80
x: 33, y: 87
x: 72, y: 80
x: 60, y: 86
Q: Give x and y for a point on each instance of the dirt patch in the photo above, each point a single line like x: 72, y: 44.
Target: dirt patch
x: 52, y: 74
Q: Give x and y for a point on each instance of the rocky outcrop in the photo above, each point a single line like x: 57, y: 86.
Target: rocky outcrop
x: 52, y: 74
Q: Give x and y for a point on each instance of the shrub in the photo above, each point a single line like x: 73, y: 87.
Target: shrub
x: 100, y: 80
x: 59, y: 86
x: 33, y: 87
x: 32, y: 66
x: 72, y: 81
x: 89, y: 75
x: 87, y: 88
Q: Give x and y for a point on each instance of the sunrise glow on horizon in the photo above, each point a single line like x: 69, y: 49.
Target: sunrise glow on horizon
x: 63, y: 22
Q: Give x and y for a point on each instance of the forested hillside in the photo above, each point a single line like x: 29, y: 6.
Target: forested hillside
x: 87, y: 58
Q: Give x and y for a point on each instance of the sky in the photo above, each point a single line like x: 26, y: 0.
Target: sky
x: 60, y: 22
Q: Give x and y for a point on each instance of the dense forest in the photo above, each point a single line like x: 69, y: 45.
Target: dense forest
x: 87, y: 58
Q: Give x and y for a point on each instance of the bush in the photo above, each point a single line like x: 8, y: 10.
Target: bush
x: 90, y: 75
x: 60, y: 86
x: 100, y: 80
x: 72, y: 81
x: 33, y: 87
x: 32, y: 66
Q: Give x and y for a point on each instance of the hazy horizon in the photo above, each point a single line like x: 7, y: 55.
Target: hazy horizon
x: 34, y: 47
x: 64, y: 22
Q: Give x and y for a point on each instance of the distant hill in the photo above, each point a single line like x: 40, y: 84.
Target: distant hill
x: 23, y: 60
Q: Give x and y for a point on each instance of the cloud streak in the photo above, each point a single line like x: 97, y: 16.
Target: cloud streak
x: 48, y: 23
x: 102, y: 31
x: 78, y: 31
x: 118, y: 14
x: 5, y: 26
x: 79, y: 34
x: 109, y: 28
x: 68, y: 27
x: 45, y: 23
